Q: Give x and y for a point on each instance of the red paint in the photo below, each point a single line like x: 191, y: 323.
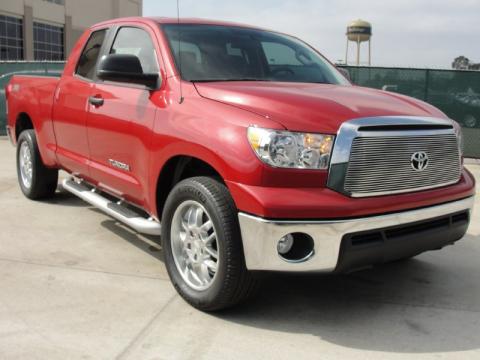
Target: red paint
x: 145, y: 129
x: 323, y: 203
x: 313, y: 107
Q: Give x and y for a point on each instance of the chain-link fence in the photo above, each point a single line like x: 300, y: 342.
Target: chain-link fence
x: 457, y: 93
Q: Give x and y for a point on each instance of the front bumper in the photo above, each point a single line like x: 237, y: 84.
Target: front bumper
x: 332, y: 238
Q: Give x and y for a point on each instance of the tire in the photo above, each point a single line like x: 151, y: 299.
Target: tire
x: 230, y: 282
x: 35, y: 179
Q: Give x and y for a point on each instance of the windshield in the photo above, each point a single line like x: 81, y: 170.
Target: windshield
x: 227, y: 53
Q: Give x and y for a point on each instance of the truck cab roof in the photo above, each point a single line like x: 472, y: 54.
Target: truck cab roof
x: 172, y: 20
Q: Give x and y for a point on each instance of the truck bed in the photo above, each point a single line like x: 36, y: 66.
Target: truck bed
x: 34, y: 95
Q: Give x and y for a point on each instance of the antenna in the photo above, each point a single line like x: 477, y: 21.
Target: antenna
x: 179, y: 54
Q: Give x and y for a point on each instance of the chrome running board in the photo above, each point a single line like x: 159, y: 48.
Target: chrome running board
x: 116, y: 210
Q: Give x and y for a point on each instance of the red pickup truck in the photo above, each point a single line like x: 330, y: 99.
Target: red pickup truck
x: 251, y: 149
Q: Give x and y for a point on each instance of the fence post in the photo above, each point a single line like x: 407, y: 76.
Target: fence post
x: 427, y: 83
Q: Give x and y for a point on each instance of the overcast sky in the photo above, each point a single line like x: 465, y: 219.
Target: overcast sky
x: 405, y: 32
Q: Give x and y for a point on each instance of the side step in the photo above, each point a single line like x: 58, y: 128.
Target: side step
x: 118, y: 212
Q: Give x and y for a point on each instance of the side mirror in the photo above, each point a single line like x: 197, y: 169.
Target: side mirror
x: 126, y: 68
x: 344, y: 73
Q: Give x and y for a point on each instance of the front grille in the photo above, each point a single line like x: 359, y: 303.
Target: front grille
x: 382, y: 165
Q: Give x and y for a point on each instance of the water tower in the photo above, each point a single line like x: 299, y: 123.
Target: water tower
x: 359, y: 31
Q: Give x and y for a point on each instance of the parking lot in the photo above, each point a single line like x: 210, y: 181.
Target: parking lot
x: 75, y: 284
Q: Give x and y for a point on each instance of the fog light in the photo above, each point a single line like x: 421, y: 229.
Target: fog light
x: 296, y: 247
x: 285, y: 244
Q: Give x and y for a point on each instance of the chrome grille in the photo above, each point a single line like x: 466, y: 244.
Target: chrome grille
x: 382, y: 165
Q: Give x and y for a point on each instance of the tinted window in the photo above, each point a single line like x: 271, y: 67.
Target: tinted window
x: 135, y: 41
x: 88, y: 59
x: 229, y: 53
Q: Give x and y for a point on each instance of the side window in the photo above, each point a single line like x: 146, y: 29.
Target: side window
x: 279, y: 54
x: 88, y: 59
x: 135, y: 41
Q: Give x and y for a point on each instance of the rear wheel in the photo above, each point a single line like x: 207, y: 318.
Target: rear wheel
x: 202, y: 245
x: 35, y: 179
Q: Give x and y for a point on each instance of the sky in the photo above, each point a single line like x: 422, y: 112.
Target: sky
x: 410, y: 33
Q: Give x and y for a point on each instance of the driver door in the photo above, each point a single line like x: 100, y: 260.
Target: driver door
x: 120, y: 122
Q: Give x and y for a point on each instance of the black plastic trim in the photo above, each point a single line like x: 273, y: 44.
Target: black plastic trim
x: 364, y: 249
x: 404, y: 127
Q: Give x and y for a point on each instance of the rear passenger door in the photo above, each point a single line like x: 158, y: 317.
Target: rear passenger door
x: 71, y: 107
x: 119, y: 130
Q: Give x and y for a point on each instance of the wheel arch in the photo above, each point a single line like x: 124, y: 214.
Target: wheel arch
x: 23, y: 122
x: 178, y: 168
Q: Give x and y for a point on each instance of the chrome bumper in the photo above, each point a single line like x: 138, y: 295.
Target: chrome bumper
x: 260, y: 236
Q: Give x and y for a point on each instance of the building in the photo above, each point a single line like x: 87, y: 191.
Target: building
x: 48, y: 29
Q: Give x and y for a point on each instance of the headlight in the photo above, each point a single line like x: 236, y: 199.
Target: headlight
x: 294, y: 150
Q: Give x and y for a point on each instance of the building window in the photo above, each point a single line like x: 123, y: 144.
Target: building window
x: 11, y: 38
x: 59, y: 2
x: 47, y: 42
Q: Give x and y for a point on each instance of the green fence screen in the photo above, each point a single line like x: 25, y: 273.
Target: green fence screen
x: 8, y: 69
x: 457, y: 93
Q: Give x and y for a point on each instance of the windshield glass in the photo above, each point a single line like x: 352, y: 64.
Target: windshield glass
x: 227, y: 53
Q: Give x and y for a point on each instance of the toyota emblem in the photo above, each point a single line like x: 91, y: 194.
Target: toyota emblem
x: 419, y: 161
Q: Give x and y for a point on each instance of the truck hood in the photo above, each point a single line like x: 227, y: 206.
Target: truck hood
x: 313, y: 107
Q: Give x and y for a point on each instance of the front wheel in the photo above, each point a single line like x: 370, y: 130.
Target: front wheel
x: 202, y: 245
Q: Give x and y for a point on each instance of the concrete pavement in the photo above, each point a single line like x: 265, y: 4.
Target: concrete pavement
x: 74, y: 284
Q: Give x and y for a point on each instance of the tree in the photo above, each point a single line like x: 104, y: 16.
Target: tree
x: 461, y: 63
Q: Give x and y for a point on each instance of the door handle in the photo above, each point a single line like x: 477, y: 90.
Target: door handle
x: 95, y: 101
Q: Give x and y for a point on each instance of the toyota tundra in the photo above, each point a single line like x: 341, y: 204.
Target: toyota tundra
x: 243, y: 149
